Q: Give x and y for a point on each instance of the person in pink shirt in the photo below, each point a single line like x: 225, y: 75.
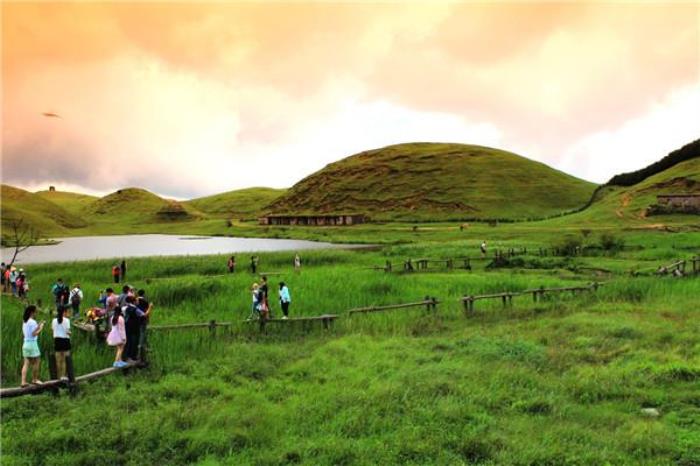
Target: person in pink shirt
x: 117, y: 336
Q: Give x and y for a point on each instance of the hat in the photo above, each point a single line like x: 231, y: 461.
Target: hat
x: 14, y: 268
x: 21, y: 270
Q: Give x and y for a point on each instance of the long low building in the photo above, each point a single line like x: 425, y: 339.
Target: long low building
x: 313, y: 220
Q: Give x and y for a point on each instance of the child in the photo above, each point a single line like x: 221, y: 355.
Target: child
x: 117, y: 336
x: 30, y: 347
x: 61, y: 340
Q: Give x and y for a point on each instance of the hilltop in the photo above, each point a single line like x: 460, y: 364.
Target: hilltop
x: 244, y: 203
x: 74, y: 203
x: 36, y: 211
x: 435, y: 181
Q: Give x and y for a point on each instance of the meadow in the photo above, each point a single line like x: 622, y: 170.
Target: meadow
x: 561, y: 381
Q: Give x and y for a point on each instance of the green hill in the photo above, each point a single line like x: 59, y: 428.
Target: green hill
x: 244, y: 203
x: 74, y: 203
x: 435, y: 181
x: 138, y: 205
x: 43, y: 215
x: 631, y: 203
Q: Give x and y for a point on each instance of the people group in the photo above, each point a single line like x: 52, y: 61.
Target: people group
x: 261, y: 303
x: 13, y: 281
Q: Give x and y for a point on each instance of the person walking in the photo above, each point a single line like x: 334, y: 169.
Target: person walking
x: 255, y: 311
x: 75, y: 298
x: 285, y: 299
x: 133, y: 317
x: 297, y: 263
x: 13, y: 280
x: 3, y: 267
x: 30, y: 347
x: 117, y: 336
x: 19, y: 283
x: 231, y: 264
x: 122, y: 269
x: 116, y: 272
x: 265, y: 291
x: 6, y: 274
x: 60, y: 293
x: 253, y: 264
x: 483, y: 248
x: 146, y: 307
x: 61, y: 340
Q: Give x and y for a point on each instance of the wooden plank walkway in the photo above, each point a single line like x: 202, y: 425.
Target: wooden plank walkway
x: 55, y: 384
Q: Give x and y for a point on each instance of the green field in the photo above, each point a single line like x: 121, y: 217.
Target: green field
x: 562, y: 381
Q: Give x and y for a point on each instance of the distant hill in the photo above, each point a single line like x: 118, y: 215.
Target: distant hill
x: 74, y: 203
x: 241, y: 203
x: 43, y: 215
x: 435, y: 181
x: 134, y: 203
x: 688, y: 152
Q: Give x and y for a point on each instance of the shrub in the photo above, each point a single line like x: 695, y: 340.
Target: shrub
x: 610, y: 242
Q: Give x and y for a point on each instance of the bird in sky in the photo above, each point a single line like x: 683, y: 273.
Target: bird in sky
x: 51, y: 115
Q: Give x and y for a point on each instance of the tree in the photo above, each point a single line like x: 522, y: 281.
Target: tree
x: 22, y: 237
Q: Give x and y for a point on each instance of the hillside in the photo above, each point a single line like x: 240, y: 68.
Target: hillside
x: 74, y: 203
x: 135, y: 204
x: 243, y: 203
x: 43, y: 215
x: 632, y: 202
x: 434, y: 181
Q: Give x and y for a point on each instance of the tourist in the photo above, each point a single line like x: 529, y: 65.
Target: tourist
x: 264, y: 290
x: 257, y: 296
x: 19, y: 283
x: 133, y: 317
x: 253, y: 264
x: 147, y: 307
x: 483, y: 248
x: 30, y: 348
x: 231, y: 264
x: 126, y: 292
x: 285, y: 299
x: 122, y: 269
x: 117, y: 336
x: 116, y: 271
x: 61, y: 340
x: 60, y: 293
x: 6, y: 274
x: 13, y: 280
x: 111, y: 303
x: 75, y: 298
x: 3, y: 267
x: 297, y: 263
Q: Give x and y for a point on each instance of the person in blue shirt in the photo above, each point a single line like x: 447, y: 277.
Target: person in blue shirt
x: 285, y: 299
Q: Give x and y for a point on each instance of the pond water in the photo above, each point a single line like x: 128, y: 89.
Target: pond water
x: 106, y: 247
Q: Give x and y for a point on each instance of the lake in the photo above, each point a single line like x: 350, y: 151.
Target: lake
x: 124, y: 246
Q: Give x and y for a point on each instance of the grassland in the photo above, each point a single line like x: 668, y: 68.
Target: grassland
x: 239, y: 204
x: 557, y: 382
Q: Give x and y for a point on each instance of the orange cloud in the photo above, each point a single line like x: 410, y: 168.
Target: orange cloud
x: 213, y: 90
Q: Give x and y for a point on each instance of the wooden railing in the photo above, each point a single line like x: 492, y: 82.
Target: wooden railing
x: 537, y: 295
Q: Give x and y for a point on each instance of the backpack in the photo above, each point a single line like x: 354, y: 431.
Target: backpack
x: 75, y: 298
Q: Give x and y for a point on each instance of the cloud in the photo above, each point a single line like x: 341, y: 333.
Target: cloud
x: 189, y: 99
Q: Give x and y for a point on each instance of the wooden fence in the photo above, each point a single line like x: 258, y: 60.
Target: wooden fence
x: 538, y: 294
x: 430, y: 304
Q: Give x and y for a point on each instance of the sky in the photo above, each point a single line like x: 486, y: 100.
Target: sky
x: 190, y: 99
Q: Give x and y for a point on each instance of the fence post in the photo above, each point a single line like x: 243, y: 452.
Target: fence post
x: 53, y: 371
x: 72, y: 386
x: 427, y: 303
x: 212, y: 328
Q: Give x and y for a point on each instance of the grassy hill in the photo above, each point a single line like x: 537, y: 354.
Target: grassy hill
x: 139, y: 205
x: 74, y: 203
x: 434, y: 181
x: 43, y: 215
x: 630, y: 203
x: 243, y: 203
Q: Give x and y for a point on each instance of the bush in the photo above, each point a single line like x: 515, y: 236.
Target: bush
x: 610, y: 242
x: 570, y: 245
